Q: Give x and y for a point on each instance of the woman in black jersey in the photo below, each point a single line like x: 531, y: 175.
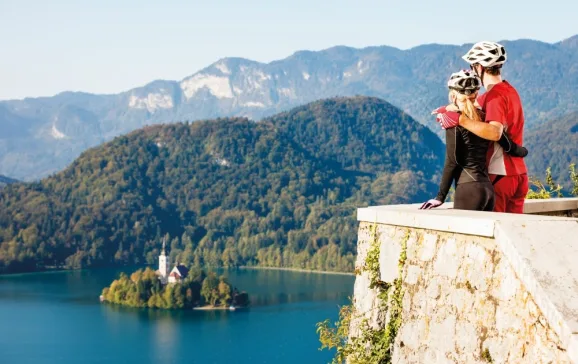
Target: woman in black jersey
x: 465, y: 162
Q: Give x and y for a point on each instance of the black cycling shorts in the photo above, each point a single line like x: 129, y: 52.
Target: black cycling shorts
x: 477, y: 196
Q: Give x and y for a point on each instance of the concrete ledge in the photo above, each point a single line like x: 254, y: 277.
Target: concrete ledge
x: 446, y: 219
x: 551, y: 205
x: 441, y: 220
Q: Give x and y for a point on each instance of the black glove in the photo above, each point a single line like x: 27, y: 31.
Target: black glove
x: 512, y: 148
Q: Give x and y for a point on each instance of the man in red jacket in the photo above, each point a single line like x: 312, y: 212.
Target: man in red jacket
x: 504, y: 114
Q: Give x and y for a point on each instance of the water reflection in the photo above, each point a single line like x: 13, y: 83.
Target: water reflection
x: 165, y: 335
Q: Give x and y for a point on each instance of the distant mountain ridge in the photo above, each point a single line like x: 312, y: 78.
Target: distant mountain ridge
x: 6, y: 180
x: 229, y: 192
x: 45, y: 134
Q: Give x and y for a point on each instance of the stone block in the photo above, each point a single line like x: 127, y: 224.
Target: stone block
x: 433, y: 290
x: 433, y: 356
x: 443, y: 334
x: 474, y: 271
x: 409, y: 335
x: 476, y: 253
x: 505, y: 284
x: 498, y: 349
x: 412, y: 247
x: 365, y: 297
x: 506, y: 320
x: 466, y: 337
x: 389, y: 253
x: 412, y: 274
x: 429, y: 247
x: 483, y: 313
x: 418, y: 301
x: 461, y: 299
x: 447, y: 261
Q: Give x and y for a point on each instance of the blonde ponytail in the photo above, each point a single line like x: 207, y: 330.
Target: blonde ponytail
x: 466, y: 105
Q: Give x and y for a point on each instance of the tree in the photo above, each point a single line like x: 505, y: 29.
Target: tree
x: 240, y: 299
x: 574, y: 179
x: 224, y: 291
x: 209, y: 289
x: 540, y: 191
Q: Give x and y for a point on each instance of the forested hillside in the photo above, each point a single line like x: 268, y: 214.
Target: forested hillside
x: 554, y: 145
x: 229, y: 192
x: 6, y: 180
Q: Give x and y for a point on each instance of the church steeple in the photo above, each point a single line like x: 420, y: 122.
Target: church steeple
x: 164, y: 263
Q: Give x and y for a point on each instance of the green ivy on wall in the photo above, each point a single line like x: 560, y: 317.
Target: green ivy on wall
x: 371, y: 345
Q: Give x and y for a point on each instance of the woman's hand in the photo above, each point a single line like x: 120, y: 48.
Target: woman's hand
x: 431, y: 204
x: 446, y: 118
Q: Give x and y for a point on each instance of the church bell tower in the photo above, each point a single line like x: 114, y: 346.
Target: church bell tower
x: 164, y: 264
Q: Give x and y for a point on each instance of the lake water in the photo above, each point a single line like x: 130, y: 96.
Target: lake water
x: 57, y: 318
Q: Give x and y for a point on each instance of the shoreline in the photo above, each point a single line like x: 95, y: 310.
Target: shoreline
x: 198, y: 308
x: 216, y: 308
x: 62, y: 269
x: 300, y: 270
x: 59, y: 270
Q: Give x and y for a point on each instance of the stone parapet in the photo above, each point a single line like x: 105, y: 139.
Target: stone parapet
x: 476, y: 287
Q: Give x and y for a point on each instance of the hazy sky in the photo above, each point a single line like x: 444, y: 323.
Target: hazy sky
x: 108, y: 46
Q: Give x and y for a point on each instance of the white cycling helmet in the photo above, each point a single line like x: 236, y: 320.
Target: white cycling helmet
x: 464, y: 82
x: 488, y: 54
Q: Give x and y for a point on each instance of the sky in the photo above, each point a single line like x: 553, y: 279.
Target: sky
x: 109, y: 46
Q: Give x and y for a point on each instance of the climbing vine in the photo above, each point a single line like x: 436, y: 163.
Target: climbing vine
x: 371, y: 265
x: 369, y: 345
x: 487, y: 356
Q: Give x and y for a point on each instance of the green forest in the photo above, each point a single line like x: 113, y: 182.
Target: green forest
x: 554, y: 145
x: 282, y: 192
x: 144, y: 289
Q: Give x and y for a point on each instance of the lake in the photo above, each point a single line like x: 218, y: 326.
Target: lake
x: 56, y: 318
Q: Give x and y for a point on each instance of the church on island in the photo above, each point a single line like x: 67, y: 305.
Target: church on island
x: 176, y: 275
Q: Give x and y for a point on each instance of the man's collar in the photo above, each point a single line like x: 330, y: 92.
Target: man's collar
x: 489, y: 87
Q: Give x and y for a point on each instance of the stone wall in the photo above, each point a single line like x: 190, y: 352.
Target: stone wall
x: 465, y: 297
x: 460, y: 298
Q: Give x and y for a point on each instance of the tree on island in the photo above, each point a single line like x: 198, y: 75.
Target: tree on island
x: 209, y: 289
x: 224, y: 291
x: 240, y: 298
x: 144, y: 289
x: 216, y: 290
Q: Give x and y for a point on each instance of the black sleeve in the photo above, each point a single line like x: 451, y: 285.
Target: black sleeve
x: 451, y: 168
x: 512, y: 148
x: 509, y: 146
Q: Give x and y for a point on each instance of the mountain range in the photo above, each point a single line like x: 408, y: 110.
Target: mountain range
x: 42, y: 135
x: 281, y: 192
x: 6, y: 180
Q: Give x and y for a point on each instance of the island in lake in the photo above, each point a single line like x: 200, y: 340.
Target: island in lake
x: 179, y: 288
